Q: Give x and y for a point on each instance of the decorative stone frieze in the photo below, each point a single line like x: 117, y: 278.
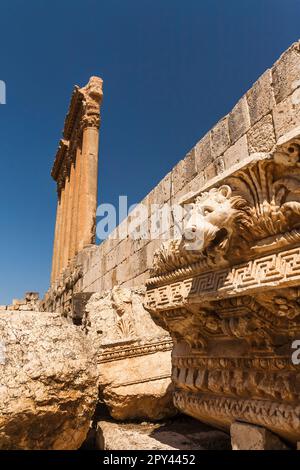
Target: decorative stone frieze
x: 132, y: 355
x: 228, y: 292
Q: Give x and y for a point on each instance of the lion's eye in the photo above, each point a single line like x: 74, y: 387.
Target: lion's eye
x: 207, y: 210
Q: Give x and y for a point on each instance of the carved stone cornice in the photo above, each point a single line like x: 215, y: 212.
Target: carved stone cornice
x: 253, y: 210
x: 134, y: 349
x: 282, y: 419
x: 228, y: 292
x: 273, y: 271
x: 58, y: 172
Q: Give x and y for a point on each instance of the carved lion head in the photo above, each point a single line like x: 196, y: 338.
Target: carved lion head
x: 212, y: 219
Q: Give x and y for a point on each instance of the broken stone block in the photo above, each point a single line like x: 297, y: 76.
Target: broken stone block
x: 29, y: 296
x: 180, y: 433
x: 48, y: 386
x: 249, y: 437
x: 132, y: 355
x: 79, y: 301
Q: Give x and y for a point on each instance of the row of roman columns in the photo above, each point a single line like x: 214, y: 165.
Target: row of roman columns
x: 77, y: 196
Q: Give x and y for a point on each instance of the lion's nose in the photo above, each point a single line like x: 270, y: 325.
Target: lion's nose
x: 190, y: 233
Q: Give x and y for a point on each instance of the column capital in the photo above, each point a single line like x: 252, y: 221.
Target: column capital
x: 92, y: 99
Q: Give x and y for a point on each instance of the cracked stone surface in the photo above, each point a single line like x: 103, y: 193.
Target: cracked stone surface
x: 180, y: 433
x: 48, y: 388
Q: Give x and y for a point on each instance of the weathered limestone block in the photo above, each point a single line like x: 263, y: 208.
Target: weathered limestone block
x: 239, y: 120
x: 190, y: 166
x: 248, y: 437
x: 220, y: 139
x: 31, y: 301
x: 203, y: 153
x: 261, y: 137
x: 178, y: 176
x: 286, y: 114
x: 286, y: 73
x: 236, y: 153
x: 131, y: 353
x: 181, y: 433
x: 261, y: 97
x: 48, y: 387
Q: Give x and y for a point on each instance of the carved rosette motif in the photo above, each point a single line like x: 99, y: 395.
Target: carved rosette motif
x: 228, y: 292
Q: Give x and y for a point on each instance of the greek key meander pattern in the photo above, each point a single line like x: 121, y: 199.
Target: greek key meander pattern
x: 272, y: 270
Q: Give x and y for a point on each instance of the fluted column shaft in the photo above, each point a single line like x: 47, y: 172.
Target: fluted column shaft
x: 61, y: 232
x: 88, y: 187
x: 69, y: 227
x: 65, y: 235
x: 75, y: 206
x: 56, y: 241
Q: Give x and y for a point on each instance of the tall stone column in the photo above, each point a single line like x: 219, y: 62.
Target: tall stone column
x: 88, y: 187
x: 74, y: 226
x: 65, y: 237
x: 89, y: 163
x: 56, y: 240
x: 59, y: 174
x: 77, y: 176
x: 60, y: 234
x: 69, y: 220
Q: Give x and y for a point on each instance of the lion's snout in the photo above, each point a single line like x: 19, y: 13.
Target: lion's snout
x: 197, y: 235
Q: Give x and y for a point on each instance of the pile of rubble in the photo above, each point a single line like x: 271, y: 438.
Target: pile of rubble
x: 30, y: 302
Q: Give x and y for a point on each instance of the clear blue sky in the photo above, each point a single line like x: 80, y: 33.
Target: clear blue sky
x: 171, y: 69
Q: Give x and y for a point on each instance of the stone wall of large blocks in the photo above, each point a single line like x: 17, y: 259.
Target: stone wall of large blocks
x: 269, y: 110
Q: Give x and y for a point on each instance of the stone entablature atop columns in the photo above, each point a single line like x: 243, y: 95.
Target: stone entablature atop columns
x: 75, y: 171
x: 228, y: 292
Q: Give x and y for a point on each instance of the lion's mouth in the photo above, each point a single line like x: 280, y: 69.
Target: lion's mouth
x: 210, y: 241
x: 219, y: 238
